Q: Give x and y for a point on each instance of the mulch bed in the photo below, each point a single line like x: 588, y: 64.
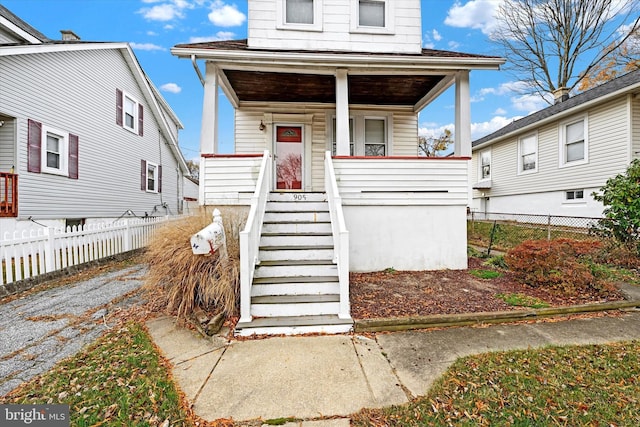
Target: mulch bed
x: 422, y: 293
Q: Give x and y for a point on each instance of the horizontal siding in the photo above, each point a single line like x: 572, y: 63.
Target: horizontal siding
x: 336, y: 31
x: 608, y: 131
x: 7, y: 146
x: 635, y: 126
x: 75, y: 92
x: 405, y: 134
x: 396, y: 181
x: 224, y: 178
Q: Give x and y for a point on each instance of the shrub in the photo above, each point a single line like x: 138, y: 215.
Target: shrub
x: 560, y: 264
x: 183, y: 281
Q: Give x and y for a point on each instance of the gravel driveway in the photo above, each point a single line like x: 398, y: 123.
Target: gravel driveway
x: 41, y: 329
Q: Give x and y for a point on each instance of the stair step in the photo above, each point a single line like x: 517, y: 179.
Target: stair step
x: 296, y: 227
x: 295, y: 271
x: 297, y: 207
x: 297, y: 240
x: 297, y: 254
x: 292, y: 280
x: 296, y: 288
x: 298, y: 197
x: 294, y: 305
x: 294, y: 325
x: 291, y: 262
x: 313, y: 216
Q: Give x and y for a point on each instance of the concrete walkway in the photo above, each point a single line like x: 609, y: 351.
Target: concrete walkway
x: 334, y: 376
x: 40, y: 329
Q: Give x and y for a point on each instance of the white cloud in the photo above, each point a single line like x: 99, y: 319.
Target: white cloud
x: 500, y: 112
x: 224, y: 15
x: 474, y: 14
x: 152, y: 33
x: 478, y: 130
x: 171, y: 87
x: 220, y: 35
x: 436, y: 35
x: 529, y: 103
x: 162, y: 12
x: 146, y: 46
x: 453, y: 45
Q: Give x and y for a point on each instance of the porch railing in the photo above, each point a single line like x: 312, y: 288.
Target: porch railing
x: 250, y: 236
x: 340, y: 235
x: 8, y: 194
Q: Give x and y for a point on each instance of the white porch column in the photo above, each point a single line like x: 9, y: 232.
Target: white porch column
x: 462, y: 142
x: 342, y: 113
x: 209, y: 129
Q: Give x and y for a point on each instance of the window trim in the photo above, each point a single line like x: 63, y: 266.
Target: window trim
x: 281, y: 17
x: 359, y: 118
x: 480, y: 177
x: 63, y: 151
x: 562, y: 146
x: 136, y: 110
x: 574, y: 199
x: 521, y: 170
x: 389, y: 18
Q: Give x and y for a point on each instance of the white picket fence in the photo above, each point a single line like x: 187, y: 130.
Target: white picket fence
x: 34, y: 252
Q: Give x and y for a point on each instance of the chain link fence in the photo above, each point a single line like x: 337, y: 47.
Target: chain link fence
x: 503, y: 231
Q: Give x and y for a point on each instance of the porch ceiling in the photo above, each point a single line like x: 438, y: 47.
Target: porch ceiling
x: 363, y: 89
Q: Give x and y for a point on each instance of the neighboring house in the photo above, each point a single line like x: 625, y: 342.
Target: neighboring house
x: 191, y: 192
x: 551, y: 161
x: 326, y: 97
x: 84, y: 135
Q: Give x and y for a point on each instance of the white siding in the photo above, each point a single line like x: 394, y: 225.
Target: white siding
x: 335, y: 31
x: 230, y: 180
x: 6, y: 37
x: 635, y: 127
x: 76, y: 92
x: 608, y: 141
x: 250, y: 140
x: 7, y: 145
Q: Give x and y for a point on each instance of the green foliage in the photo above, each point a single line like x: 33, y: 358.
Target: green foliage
x: 594, y: 385
x: 118, y: 380
x: 485, y: 274
x: 497, y: 261
x: 621, y: 198
x: 521, y: 300
x: 390, y: 270
x: 280, y: 421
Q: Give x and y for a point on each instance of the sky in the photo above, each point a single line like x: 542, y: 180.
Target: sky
x: 153, y: 27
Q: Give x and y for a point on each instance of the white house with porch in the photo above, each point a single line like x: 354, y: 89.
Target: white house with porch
x: 326, y: 96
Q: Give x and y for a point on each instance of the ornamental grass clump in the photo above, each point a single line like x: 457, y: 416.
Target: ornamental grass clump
x: 182, y: 281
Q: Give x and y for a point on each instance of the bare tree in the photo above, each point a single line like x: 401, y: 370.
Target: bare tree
x: 546, y: 40
x: 289, y: 170
x: 431, y: 146
x: 194, y: 168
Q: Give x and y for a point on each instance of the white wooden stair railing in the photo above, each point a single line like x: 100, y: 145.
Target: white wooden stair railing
x: 340, y: 236
x: 250, y: 236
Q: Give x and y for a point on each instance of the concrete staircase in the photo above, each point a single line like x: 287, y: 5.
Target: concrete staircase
x: 295, y: 287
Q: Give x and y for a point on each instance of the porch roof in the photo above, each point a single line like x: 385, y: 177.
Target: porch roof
x: 261, y: 75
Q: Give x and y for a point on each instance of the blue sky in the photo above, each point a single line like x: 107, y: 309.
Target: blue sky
x: 152, y: 27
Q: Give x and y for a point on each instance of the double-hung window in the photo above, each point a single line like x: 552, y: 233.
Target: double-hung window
x: 371, y: 16
x: 485, y: 165
x: 129, y: 113
x: 150, y: 177
x: 51, y: 150
x: 368, y: 135
x: 574, y: 146
x: 299, y: 15
x: 528, y: 154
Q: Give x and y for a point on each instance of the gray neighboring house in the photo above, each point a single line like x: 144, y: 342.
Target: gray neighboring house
x: 551, y: 161
x: 85, y: 137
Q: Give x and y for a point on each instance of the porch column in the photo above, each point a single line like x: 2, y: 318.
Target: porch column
x: 462, y: 141
x: 342, y: 113
x: 209, y: 129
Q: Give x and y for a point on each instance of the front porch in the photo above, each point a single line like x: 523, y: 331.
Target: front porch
x: 8, y: 195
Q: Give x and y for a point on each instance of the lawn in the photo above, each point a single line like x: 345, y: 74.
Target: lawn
x: 118, y: 380
x: 596, y: 385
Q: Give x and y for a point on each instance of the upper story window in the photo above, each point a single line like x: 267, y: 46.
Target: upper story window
x: 485, y: 164
x: 129, y: 113
x: 305, y: 15
x: 372, y: 16
x: 574, y: 146
x: 528, y: 154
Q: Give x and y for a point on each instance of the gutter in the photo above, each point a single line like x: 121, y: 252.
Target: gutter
x: 195, y: 67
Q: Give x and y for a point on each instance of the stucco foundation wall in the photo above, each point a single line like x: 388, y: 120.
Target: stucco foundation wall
x: 406, y: 237
x: 547, y: 203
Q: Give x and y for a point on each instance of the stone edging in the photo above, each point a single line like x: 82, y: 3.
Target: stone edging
x: 448, y: 320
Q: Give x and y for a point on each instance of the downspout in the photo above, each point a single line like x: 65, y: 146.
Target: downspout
x: 195, y: 67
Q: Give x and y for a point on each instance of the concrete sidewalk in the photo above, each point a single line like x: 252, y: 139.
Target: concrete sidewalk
x: 334, y: 376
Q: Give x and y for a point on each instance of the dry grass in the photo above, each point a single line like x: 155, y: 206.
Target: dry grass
x: 184, y: 281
